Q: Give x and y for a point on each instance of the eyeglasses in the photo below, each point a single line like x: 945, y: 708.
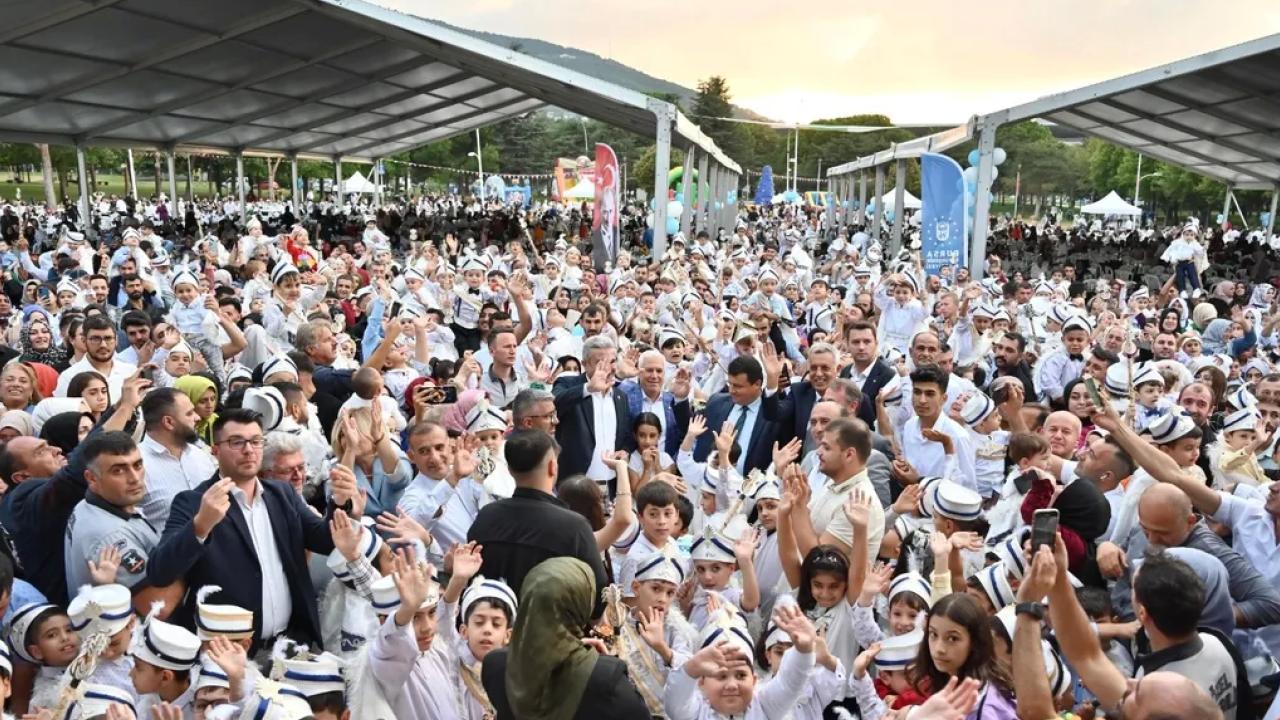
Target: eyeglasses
x: 100, y: 339
x: 553, y: 415
x: 239, y: 444
x: 290, y: 471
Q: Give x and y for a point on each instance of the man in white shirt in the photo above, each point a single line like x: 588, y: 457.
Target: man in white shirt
x: 172, y: 454
x: 439, y: 499
x: 933, y: 444
x: 100, y: 357
x: 843, y: 450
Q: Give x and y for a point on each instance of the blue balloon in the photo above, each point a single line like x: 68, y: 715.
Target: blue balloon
x: 889, y: 215
x: 973, y: 157
x: 680, y: 198
x: 673, y: 225
x: 971, y: 186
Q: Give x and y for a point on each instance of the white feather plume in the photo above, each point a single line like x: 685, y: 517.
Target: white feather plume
x: 203, y: 593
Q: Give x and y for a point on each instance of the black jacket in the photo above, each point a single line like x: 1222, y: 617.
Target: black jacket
x: 758, y: 449
x: 576, y: 432
x: 227, y: 557
x: 529, y: 527
x: 609, y: 692
x: 878, y: 375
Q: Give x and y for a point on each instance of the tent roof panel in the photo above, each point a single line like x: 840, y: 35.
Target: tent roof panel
x: 279, y: 76
x: 1214, y: 113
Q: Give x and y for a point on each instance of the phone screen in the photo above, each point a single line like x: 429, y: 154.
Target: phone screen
x: 1044, y: 526
x: 1092, y: 386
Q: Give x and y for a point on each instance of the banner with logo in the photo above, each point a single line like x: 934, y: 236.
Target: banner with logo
x: 607, y: 221
x: 943, y: 231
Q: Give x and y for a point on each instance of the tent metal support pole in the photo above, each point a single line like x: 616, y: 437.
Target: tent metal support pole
x: 663, y: 112
x: 170, y: 163
x: 293, y: 186
x: 686, y: 183
x: 982, y: 199
x: 244, y: 209
x: 85, y: 224
x: 337, y: 176
x: 862, y: 198
x: 878, y: 215
x: 377, y: 181
x: 1271, y: 218
x: 899, y: 200
x: 133, y: 178
x: 704, y: 193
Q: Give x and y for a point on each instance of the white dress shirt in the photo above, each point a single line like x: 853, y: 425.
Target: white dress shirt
x: 929, y: 459
x: 604, y: 418
x: 445, y: 511
x: 277, y: 602
x: 744, y: 438
x: 166, y: 476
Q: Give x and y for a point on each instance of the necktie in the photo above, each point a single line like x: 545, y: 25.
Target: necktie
x: 743, y: 411
x: 1076, y: 358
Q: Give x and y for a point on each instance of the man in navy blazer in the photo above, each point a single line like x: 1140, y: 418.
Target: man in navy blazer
x: 867, y: 370
x: 581, y: 441
x: 249, y: 536
x: 744, y: 406
x: 645, y: 394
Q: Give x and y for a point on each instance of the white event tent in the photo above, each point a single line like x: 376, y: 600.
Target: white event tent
x: 1112, y: 204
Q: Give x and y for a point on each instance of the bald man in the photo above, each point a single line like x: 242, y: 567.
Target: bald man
x: 1167, y: 520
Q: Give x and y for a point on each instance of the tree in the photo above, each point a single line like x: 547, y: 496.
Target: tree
x: 709, y: 107
x: 642, y: 172
x: 46, y: 171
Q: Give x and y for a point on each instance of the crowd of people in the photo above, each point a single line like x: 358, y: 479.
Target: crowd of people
x: 446, y: 458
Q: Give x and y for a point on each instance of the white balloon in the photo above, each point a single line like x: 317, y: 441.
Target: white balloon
x: 675, y: 208
x: 998, y: 156
x: 971, y: 174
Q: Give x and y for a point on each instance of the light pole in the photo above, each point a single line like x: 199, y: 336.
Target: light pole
x: 479, y: 163
x: 586, y: 147
x: 1137, y: 186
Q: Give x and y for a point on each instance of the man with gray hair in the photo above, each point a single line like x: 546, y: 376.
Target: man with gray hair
x: 645, y: 395
x: 535, y: 409
x: 283, y: 460
x: 595, y: 419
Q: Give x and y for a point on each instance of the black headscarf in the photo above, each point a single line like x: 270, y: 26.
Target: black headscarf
x: 62, y: 431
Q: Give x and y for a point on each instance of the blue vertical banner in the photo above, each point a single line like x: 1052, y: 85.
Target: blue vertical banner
x: 943, y: 230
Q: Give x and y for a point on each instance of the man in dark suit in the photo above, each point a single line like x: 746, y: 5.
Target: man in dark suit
x: 645, y: 394
x: 867, y: 370
x: 595, y: 418
x: 797, y: 404
x: 753, y: 416
x: 249, y: 536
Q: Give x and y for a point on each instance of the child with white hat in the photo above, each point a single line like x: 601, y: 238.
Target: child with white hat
x: 1233, y: 457
x: 347, y: 618
x: 727, y: 546
x: 991, y: 444
x: 321, y: 680
x: 403, y: 672
x: 94, y: 701
x: 660, y: 637
x: 488, y: 613
x: 693, y: 689
x: 6, y: 676
x: 213, y: 686
x: 42, y: 635
x: 827, y: 682
x: 163, y: 657
x: 107, y: 610
x: 901, y: 314
x: 892, y: 656
x: 195, y: 319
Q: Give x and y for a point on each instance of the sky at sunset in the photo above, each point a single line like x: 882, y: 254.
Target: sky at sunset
x: 924, y: 61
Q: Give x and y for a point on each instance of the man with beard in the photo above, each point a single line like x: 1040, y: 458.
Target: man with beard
x: 1196, y: 400
x: 100, y: 357
x: 172, y: 454
x: 1011, y: 363
x: 139, y: 298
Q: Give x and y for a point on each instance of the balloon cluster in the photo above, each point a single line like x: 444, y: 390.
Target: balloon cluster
x: 675, y: 208
x: 998, y: 156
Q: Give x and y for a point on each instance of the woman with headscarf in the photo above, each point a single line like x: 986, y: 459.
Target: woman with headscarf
x: 65, y: 430
x: 204, y: 395
x: 1217, y: 339
x: 547, y: 673
x: 37, y: 345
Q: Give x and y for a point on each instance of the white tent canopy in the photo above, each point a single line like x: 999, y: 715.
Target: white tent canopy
x: 909, y: 201
x: 357, y: 183
x: 584, y: 190
x: 1112, y: 204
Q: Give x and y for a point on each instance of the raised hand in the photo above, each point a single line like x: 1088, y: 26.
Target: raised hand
x: 965, y: 540
x: 103, y: 572
x: 785, y: 455
x: 402, y: 529
x: 908, y: 500
x: 864, y: 660
x: 709, y: 659
x: 697, y: 425
x: 345, y: 534
x: 653, y: 627
x: 744, y: 549
x: 875, y: 584
x: 214, y: 505
x: 229, y: 656
x: 413, y: 584
x: 464, y: 456
x: 857, y: 508
x: 954, y: 702
x: 467, y: 560
x: 940, y: 546
x: 724, y: 439
x: 682, y: 383
x: 932, y: 435
x: 601, y: 378
x: 905, y: 472
x: 1041, y: 578
x: 791, y: 619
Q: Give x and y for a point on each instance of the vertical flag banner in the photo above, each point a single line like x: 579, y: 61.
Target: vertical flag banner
x: 943, y: 231
x: 607, y: 219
